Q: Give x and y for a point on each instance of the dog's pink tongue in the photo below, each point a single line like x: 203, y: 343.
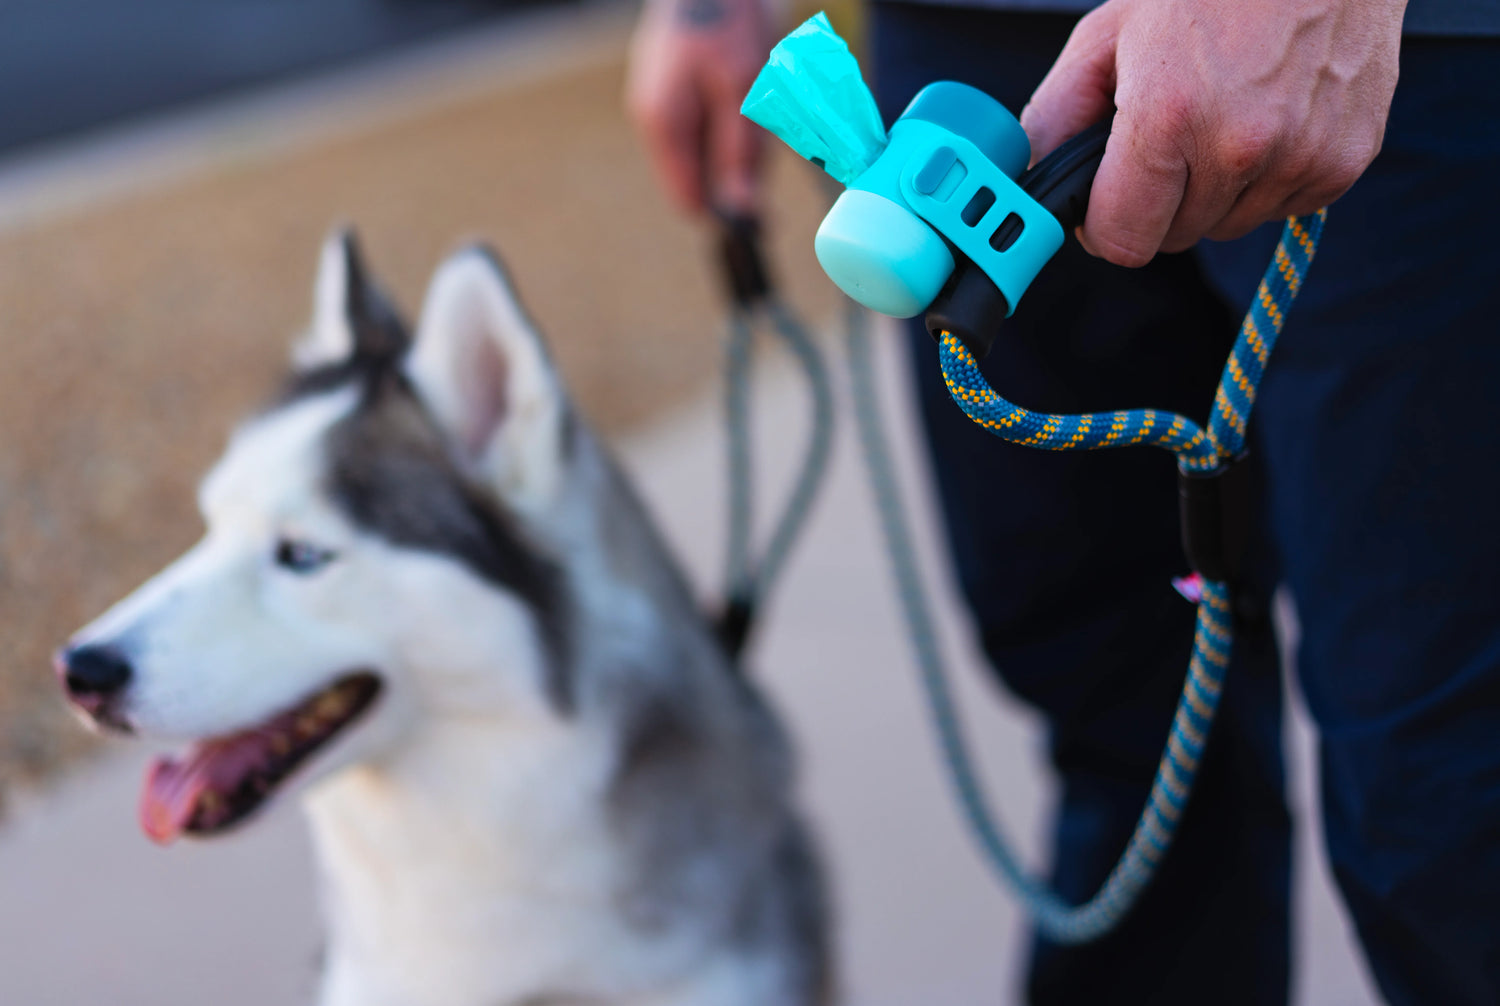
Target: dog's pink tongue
x: 169, y: 798
x: 175, y: 788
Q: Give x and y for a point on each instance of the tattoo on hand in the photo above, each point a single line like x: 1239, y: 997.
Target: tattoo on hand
x: 701, y: 13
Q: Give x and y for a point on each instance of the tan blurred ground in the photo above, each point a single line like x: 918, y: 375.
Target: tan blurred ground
x: 134, y: 333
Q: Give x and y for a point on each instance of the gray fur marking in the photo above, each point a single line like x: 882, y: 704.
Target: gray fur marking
x: 390, y: 471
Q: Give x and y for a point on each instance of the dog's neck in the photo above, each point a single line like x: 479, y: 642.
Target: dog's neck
x: 468, y: 869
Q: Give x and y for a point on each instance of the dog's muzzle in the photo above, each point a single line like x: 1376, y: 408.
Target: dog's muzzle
x: 95, y: 678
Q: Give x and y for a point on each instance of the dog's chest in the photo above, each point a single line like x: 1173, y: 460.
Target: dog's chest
x: 479, y: 880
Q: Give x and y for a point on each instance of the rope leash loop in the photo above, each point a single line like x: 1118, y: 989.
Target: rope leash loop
x: 752, y: 294
x: 904, y: 238
x: 1201, y: 451
x: 1204, y: 454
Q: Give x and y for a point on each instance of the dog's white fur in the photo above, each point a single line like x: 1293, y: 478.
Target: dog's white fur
x: 464, y: 828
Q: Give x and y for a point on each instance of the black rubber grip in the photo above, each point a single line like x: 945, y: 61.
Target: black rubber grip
x: 970, y: 306
x: 1061, y: 181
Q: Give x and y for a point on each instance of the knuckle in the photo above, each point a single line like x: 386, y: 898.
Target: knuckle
x: 1175, y: 116
x: 1159, y: 138
x: 1244, y: 148
x: 1168, y: 135
x: 1339, y: 170
x: 1353, y: 158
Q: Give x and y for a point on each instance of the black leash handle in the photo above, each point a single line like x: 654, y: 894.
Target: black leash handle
x: 1062, y: 180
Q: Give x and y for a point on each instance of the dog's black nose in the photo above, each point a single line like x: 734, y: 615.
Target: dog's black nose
x: 93, y: 673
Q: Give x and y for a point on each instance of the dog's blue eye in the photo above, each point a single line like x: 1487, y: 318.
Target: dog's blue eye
x: 300, y: 557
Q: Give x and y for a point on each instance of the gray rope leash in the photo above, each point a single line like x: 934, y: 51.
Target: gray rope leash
x: 1053, y: 915
x: 819, y: 445
x: 739, y: 578
x: 748, y: 581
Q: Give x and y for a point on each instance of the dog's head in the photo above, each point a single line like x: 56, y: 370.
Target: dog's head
x: 371, y: 554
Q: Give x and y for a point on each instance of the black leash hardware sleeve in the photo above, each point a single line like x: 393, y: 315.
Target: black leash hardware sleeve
x: 1216, y: 512
x: 970, y: 305
x: 733, y: 625
x: 746, y: 280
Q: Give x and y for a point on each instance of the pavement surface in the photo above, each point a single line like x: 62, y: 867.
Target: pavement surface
x: 91, y: 913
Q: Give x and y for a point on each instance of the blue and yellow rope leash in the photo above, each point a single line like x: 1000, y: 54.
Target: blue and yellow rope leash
x: 1199, y: 450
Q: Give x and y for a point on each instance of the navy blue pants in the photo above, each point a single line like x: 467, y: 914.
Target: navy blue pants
x: 1377, y: 441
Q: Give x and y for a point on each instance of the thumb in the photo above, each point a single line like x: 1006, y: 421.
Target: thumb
x: 1079, y: 89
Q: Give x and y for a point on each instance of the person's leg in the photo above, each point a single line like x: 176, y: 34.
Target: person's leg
x: 1378, y: 423
x: 1066, y: 560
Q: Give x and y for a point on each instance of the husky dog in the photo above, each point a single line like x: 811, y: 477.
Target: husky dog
x: 427, y: 596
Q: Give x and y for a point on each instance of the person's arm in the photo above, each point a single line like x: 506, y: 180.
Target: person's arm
x: 1231, y: 112
x: 691, y: 63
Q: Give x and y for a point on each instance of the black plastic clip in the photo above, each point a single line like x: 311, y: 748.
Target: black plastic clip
x: 743, y: 266
x: 734, y: 624
x: 970, y: 306
x: 1216, y: 515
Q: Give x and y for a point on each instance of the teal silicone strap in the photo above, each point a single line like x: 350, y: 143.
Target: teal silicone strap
x: 942, y: 174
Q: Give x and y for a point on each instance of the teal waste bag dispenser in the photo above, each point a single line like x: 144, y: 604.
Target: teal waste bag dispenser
x: 940, y: 216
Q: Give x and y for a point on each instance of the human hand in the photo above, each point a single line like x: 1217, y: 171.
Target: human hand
x: 1230, y: 113
x: 691, y: 64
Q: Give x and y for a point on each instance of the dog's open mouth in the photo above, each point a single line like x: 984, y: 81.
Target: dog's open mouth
x: 220, y: 781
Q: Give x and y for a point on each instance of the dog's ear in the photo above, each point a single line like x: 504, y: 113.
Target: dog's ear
x: 481, y: 367
x: 351, y: 314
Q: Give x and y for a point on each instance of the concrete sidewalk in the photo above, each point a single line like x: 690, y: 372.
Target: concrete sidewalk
x: 90, y: 913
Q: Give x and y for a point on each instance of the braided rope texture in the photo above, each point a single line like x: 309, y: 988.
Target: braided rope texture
x: 748, y: 579
x: 1198, y: 450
